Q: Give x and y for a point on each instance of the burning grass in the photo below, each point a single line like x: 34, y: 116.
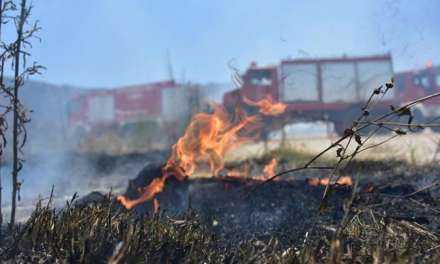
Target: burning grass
x: 206, y: 140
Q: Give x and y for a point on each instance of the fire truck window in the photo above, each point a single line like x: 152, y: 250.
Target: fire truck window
x: 260, y: 78
x: 425, y: 82
x: 422, y: 81
x: 416, y: 81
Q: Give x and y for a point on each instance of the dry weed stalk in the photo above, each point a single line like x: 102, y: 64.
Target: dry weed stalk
x: 26, y: 32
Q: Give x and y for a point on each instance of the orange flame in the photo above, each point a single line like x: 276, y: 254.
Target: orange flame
x: 269, y: 169
x: 156, y: 205
x: 236, y: 173
x: 206, y: 140
x: 429, y: 64
x: 344, y: 181
x: 267, y: 106
x: 146, y: 193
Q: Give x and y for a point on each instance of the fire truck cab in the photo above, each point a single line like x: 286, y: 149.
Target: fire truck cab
x: 331, y: 89
x: 419, y: 83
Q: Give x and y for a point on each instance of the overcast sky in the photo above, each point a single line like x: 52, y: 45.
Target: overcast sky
x: 101, y: 43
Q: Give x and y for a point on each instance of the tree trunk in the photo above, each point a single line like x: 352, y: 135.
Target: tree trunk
x: 17, y: 83
x: 2, y: 146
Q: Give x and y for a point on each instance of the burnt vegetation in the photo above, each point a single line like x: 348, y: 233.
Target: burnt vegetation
x: 394, y: 223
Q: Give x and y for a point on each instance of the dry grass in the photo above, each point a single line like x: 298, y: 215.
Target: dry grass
x: 101, y: 232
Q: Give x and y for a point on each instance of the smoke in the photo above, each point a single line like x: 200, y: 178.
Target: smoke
x: 50, y: 157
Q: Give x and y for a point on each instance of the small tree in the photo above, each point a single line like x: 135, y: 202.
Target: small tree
x: 25, y: 33
x: 2, y: 128
x: 5, y: 7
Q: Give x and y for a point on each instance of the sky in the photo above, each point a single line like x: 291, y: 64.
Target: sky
x: 108, y: 43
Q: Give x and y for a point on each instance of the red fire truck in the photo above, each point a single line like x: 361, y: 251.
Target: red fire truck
x: 132, y: 117
x: 419, y: 83
x: 333, y: 89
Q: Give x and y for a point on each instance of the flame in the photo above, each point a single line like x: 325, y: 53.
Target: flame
x: 269, y: 169
x: 267, y: 106
x: 236, y: 173
x: 156, y: 205
x: 206, y: 140
x: 429, y: 64
x: 344, y: 181
x: 146, y: 193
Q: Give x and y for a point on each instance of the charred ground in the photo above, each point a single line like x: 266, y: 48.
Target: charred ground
x: 394, y: 218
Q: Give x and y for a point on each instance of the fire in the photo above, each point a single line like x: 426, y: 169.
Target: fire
x: 267, y: 106
x: 429, y: 64
x: 146, y: 193
x: 269, y: 169
x: 206, y: 140
x: 236, y: 173
x: 344, y: 181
